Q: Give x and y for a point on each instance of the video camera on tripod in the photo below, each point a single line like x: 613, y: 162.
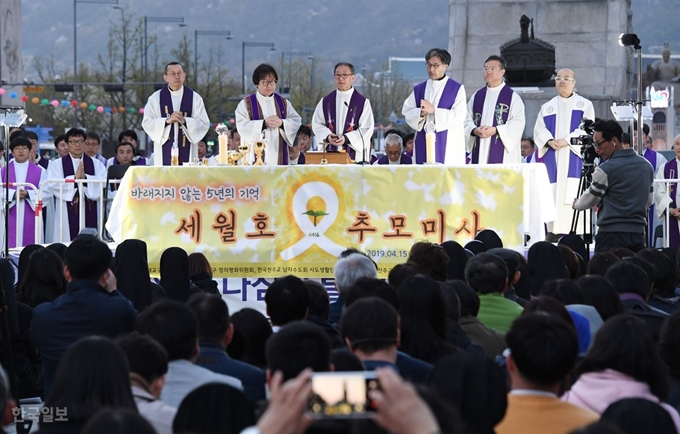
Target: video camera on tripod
x: 585, y: 141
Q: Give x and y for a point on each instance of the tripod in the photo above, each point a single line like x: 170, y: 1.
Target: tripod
x: 583, y: 184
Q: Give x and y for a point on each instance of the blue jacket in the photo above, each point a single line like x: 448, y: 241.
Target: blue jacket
x: 213, y: 357
x: 412, y: 369
x: 85, y: 309
x: 372, y: 365
x: 335, y: 309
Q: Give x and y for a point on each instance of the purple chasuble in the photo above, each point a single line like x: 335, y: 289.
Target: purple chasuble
x: 575, y: 162
x: 186, y: 107
x: 670, y: 171
x: 650, y: 155
x: 354, y: 111
x: 255, y: 112
x: 501, y: 113
x: 28, y: 229
x: 446, y: 101
x: 73, y: 207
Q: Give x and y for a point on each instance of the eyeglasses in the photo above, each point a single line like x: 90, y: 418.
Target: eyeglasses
x: 268, y: 82
x: 491, y: 69
x: 175, y: 74
x: 393, y: 153
x: 600, y: 143
x: 433, y: 65
x: 343, y: 76
x: 76, y: 142
x: 91, y: 143
x: 558, y: 78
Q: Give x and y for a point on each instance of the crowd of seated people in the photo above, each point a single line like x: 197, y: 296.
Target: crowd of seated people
x: 461, y: 341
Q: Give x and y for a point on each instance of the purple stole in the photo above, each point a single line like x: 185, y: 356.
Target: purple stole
x: 502, y: 111
x: 186, y: 107
x: 33, y: 177
x: 405, y: 159
x: 73, y: 207
x: 650, y: 155
x: 446, y: 101
x: 575, y: 162
x: 302, y: 159
x: 354, y: 111
x: 255, y: 112
x: 670, y: 171
x: 43, y: 162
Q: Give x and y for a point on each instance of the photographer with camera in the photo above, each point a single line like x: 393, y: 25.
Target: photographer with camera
x: 622, y: 189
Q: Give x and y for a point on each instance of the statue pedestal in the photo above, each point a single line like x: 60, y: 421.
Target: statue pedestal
x: 585, y: 36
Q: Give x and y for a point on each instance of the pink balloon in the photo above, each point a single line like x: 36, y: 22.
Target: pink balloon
x: 141, y: 111
x: 100, y: 109
x: 231, y: 121
x: 2, y: 91
x: 55, y: 103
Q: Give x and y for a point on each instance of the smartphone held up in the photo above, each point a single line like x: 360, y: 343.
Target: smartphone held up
x: 342, y: 395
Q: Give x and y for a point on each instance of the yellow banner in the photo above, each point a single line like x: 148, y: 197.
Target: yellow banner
x: 274, y: 221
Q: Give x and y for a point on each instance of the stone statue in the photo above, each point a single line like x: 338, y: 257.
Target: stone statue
x: 665, y: 71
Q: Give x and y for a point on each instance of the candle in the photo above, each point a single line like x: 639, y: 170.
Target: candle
x: 224, y: 148
x: 174, y: 155
x: 429, y: 146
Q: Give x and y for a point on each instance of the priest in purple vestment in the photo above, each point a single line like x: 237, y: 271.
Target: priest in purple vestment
x: 23, y: 204
x: 175, y: 115
x: 528, y: 148
x: 394, y: 151
x: 130, y: 136
x: 125, y: 154
x: 344, y: 117
x: 76, y: 165
x: 495, y: 120
x: 268, y: 116
x: 557, y: 123
x: 657, y: 160
x: 35, y: 149
x: 295, y: 156
x: 92, y: 146
x: 440, y: 100
x: 667, y: 197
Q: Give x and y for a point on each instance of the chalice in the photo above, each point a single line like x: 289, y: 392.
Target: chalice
x: 259, y: 148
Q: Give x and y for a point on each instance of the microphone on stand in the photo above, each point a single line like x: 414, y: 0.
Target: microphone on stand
x: 366, y: 158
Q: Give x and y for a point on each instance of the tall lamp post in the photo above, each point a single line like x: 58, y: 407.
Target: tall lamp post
x: 632, y: 40
x: 124, y: 30
x: 314, y: 60
x: 197, y: 33
x: 291, y: 55
x: 75, y: 49
x: 147, y: 20
x: 269, y: 45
